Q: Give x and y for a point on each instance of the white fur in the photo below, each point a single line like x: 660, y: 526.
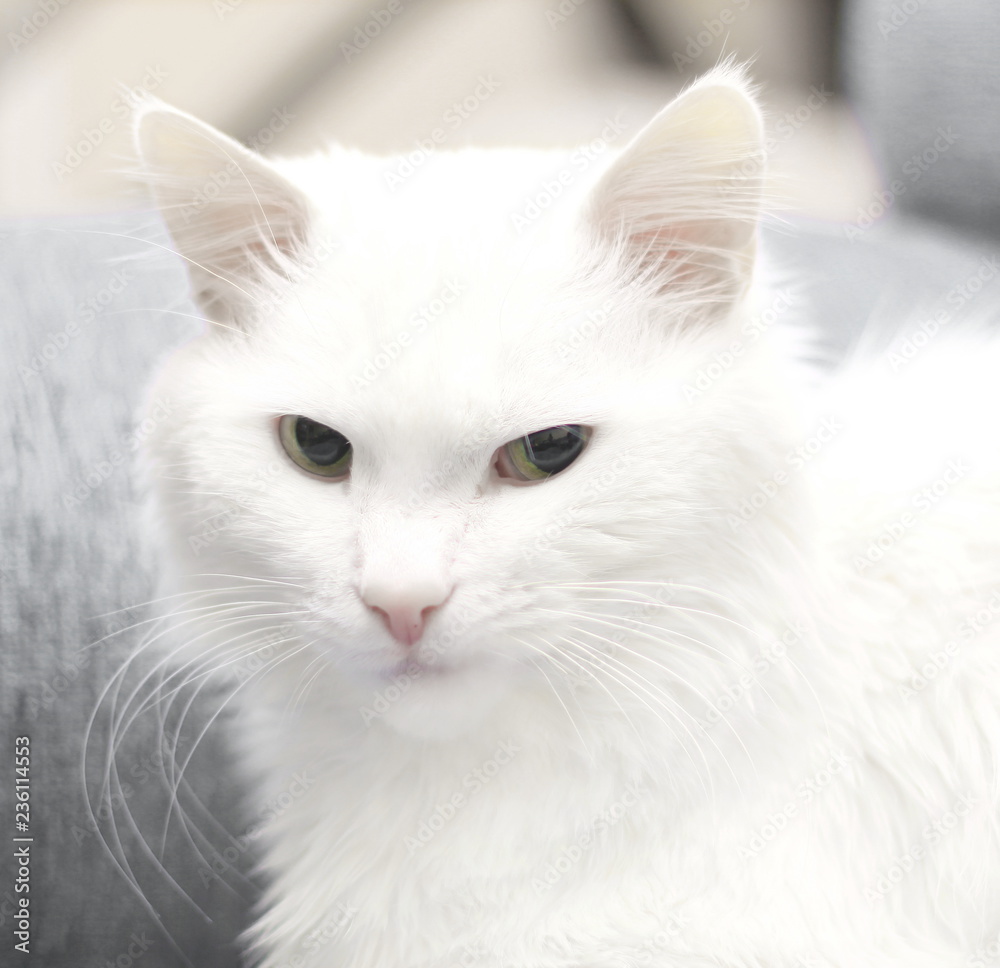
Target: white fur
x: 620, y: 777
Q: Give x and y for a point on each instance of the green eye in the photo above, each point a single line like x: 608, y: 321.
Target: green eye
x: 316, y: 448
x: 537, y: 456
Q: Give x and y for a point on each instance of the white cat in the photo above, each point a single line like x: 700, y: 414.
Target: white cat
x: 594, y: 627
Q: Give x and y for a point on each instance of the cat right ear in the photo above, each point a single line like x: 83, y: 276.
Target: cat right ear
x: 235, y: 220
x: 679, y: 206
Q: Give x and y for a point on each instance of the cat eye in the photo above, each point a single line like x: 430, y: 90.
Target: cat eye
x: 538, y: 456
x: 316, y: 448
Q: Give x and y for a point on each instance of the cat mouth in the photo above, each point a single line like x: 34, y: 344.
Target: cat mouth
x: 412, y: 669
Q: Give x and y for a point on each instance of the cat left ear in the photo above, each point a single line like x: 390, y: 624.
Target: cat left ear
x: 680, y: 204
x: 232, y: 216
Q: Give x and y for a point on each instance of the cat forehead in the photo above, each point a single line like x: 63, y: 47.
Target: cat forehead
x: 418, y: 387
x: 458, y: 381
x: 497, y: 315
x: 468, y: 347
x: 490, y: 306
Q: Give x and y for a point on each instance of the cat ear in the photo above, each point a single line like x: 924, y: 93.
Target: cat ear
x: 681, y: 203
x: 233, y: 218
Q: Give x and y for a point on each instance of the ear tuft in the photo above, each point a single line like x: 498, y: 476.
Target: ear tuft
x: 233, y: 217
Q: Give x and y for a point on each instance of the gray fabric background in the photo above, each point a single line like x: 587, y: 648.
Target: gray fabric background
x: 914, y: 68
x: 70, y: 553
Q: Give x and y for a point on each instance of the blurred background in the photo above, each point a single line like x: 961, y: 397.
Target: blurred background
x: 387, y: 75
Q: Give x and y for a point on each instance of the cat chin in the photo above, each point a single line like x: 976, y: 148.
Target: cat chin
x: 448, y: 704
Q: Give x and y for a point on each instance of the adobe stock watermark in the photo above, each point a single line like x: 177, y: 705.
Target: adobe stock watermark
x: 452, y: 119
x: 809, y: 960
x: 559, y: 181
x: 782, y: 129
x: 904, y: 864
x: 470, y: 446
x: 595, y: 486
x: 149, y: 766
x: 571, y: 855
x: 98, y: 473
x: 45, y: 11
x: 920, y: 504
x: 225, y: 860
x: 562, y: 11
x: 471, y: 784
x: 985, y: 955
x: 378, y: 19
x: 786, y: 125
x: 219, y: 180
x: 265, y: 651
x: 724, y: 359
x: 138, y: 944
x: 223, y: 8
x: 307, y: 264
x: 937, y: 660
x: 219, y: 522
x: 912, y: 170
x: 899, y: 15
x: 474, y: 954
x: 69, y: 670
x: 121, y: 110
x: 795, y: 460
x: 769, y: 655
x: 612, y: 640
x: 390, y: 351
x: 334, y: 925
x: 570, y: 347
x: 653, y: 947
x: 805, y: 793
x: 86, y: 312
x: 908, y: 347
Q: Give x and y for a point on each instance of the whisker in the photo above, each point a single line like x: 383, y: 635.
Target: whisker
x: 674, y: 632
x: 593, y: 653
x: 121, y: 720
x: 555, y: 692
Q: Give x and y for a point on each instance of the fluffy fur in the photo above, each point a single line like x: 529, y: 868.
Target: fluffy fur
x: 666, y: 714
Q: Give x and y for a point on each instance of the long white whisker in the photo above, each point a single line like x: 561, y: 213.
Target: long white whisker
x: 591, y: 616
x: 595, y: 654
x: 555, y: 692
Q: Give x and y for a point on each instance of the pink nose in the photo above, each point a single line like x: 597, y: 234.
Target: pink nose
x: 404, y: 609
x: 405, y: 622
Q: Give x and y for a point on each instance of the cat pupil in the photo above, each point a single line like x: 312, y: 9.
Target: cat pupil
x: 554, y: 449
x: 321, y: 444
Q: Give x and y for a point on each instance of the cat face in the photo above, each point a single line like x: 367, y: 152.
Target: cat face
x: 425, y: 444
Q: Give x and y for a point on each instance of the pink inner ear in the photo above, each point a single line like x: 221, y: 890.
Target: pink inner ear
x: 254, y: 242
x: 666, y: 252
x: 683, y: 260
x: 263, y: 248
x: 650, y: 243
